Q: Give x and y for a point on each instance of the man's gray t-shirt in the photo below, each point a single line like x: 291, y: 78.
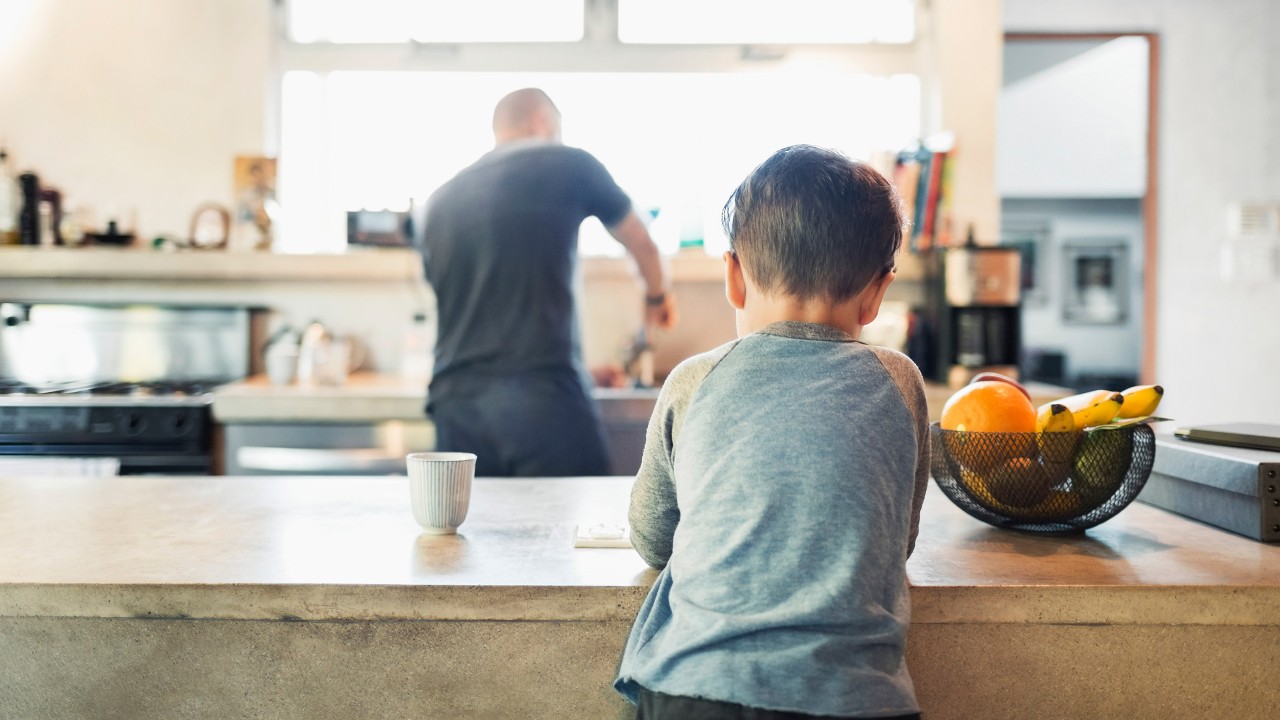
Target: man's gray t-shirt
x: 500, y: 245
x: 781, y: 489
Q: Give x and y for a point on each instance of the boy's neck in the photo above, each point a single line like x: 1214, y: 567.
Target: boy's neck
x: 767, y: 310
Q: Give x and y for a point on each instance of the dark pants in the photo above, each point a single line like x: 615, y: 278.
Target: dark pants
x: 656, y: 706
x: 534, y: 425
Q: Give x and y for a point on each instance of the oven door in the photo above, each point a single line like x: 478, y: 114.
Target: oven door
x: 93, y: 437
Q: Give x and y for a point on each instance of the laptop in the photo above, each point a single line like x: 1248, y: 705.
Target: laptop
x: 1250, y: 435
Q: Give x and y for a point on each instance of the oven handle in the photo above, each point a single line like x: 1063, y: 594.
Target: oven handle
x: 364, y: 461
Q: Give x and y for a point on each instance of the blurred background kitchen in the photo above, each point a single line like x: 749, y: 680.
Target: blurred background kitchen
x: 258, y: 162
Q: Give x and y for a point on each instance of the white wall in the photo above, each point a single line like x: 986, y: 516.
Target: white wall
x: 1218, y: 342
x: 1073, y: 126
x: 136, y: 107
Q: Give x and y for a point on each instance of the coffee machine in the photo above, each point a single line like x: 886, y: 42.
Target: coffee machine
x: 976, y: 303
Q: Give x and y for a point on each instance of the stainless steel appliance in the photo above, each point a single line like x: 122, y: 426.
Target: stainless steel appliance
x: 144, y: 428
x: 127, y: 384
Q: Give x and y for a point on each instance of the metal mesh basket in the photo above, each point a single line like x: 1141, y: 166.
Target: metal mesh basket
x: 1043, y: 482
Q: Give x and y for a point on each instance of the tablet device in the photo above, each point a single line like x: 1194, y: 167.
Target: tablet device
x: 1251, y: 435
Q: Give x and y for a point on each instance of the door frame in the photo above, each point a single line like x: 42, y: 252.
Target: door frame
x: 1150, y: 199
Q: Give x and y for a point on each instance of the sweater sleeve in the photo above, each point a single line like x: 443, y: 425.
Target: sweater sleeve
x: 655, y: 509
x: 910, y: 384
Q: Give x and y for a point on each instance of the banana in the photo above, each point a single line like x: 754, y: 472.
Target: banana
x: 1096, y: 407
x: 1141, y: 401
x: 1056, y: 439
x: 1054, y: 417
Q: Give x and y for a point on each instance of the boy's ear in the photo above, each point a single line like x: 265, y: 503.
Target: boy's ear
x: 735, y: 285
x: 872, y: 296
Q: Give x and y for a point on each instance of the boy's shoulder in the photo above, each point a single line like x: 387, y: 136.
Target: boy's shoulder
x: 685, y: 377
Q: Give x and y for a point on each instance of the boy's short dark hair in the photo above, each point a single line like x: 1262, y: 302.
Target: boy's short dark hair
x: 810, y: 222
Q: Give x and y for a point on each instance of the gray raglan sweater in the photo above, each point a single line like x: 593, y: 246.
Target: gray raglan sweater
x: 780, y: 492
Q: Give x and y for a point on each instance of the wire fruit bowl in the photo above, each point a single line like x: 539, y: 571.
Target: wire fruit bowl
x: 1053, y: 483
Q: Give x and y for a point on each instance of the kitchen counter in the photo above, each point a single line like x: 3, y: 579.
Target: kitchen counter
x: 365, y: 397
x: 318, y: 597
x: 371, y: 397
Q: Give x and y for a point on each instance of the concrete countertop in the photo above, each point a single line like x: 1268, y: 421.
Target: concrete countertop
x: 365, y: 397
x: 370, y: 397
x: 326, y: 548
x: 373, y: 397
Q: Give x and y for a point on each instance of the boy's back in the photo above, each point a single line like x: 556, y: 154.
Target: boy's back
x: 799, y: 459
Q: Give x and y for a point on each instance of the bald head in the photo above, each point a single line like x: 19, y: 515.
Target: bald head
x: 526, y: 113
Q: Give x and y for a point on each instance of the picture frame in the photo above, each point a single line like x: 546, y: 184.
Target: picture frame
x: 1031, y: 239
x: 1096, y: 282
x: 254, y: 209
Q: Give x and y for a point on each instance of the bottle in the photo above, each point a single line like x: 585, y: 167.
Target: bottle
x: 29, y: 218
x: 10, y: 202
x: 417, y: 359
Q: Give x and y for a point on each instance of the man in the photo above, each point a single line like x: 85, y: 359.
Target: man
x: 500, y: 246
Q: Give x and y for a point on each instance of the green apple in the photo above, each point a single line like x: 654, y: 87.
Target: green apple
x: 1100, y: 464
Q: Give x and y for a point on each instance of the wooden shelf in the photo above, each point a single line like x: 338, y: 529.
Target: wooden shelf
x: 134, y: 264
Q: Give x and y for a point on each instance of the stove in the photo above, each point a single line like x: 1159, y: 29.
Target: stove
x: 65, y: 403
x: 149, y: 428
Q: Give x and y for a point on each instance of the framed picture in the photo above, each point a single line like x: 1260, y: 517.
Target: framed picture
x: 1095, y: 291
x: 255, y: 208
x: 1031, y: 240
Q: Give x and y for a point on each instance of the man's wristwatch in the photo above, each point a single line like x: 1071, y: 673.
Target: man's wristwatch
x: 655, y: 300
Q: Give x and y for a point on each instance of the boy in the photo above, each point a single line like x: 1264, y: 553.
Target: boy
x: 783, y: 472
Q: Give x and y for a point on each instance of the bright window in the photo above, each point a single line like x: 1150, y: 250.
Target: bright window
x: 766, y: 21
x: 446, y: 21
x: 677, y: 143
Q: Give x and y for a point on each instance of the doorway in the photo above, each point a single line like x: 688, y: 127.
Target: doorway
x: 1076, y: 174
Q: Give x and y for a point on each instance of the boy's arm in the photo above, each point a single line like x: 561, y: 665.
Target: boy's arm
x: 914, y: 393
x: 910, y: 384
x: 655, y: 510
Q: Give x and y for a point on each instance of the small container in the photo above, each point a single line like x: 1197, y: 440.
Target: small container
x: 281, y: 357
x: 416, y: 356
x: 440, y: 489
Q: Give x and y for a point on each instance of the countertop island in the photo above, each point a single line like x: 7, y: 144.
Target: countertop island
x: 317, y: 597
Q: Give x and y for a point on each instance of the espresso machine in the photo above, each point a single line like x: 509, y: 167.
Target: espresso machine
x: 976, y: 303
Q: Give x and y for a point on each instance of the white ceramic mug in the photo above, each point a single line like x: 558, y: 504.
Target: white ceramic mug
x: 440, y: 489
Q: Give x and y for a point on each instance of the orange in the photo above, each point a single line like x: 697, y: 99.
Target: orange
x: 989, y: 406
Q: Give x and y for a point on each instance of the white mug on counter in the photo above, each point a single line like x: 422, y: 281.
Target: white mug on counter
x: 440, y: 489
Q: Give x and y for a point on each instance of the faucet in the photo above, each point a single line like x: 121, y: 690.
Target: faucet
x: 639, y: 362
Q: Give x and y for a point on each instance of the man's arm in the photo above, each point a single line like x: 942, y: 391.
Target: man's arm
x: 660, y: 307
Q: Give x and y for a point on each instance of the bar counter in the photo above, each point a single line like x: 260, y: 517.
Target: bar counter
x: 317, y: 597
